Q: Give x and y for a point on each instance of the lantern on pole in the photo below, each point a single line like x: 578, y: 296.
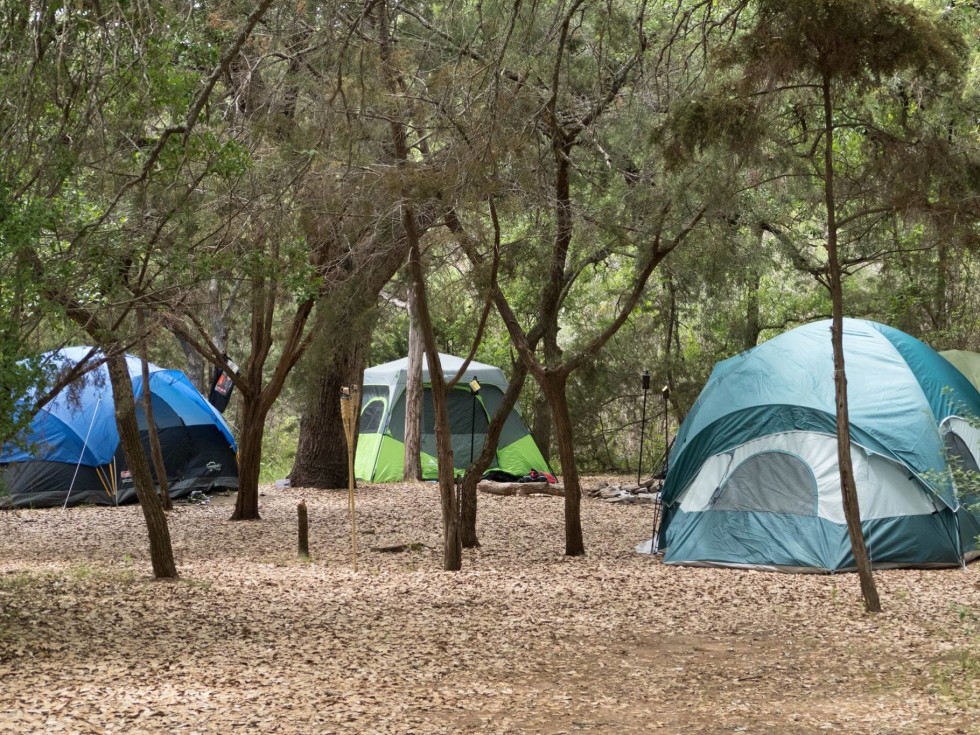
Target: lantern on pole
x: 349, y: 405
x: 645, y: 377
x: 474, y: 391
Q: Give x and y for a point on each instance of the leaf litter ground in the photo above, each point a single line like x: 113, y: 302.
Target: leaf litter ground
x: 523, y: 640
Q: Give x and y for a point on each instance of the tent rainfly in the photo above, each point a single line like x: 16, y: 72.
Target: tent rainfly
x: 380, y: 444
x: 754, y: 480
x: 967, y: 363
x: 73, y: 445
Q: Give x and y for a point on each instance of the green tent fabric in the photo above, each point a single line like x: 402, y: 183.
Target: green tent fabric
x: 380, y: 445
x: 967, y: 363
x: 754, y: 480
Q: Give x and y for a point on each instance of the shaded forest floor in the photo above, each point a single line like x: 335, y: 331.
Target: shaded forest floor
x: 523, y: 640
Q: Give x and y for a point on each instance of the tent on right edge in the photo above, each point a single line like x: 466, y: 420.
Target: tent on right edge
x: 754, y: 479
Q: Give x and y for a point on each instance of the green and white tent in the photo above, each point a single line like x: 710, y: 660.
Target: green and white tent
x: 754, y: 480
x: 380, y: 445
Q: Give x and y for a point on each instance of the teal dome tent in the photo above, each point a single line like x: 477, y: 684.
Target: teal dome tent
x: 380, y: 444
x: 754, y: 479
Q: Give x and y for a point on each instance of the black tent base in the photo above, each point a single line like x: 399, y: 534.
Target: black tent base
x: 197, y: 458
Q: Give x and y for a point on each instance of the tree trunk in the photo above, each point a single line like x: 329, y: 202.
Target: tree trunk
x: 194, y: 366
x: 553, y: 385
x: 475, y: 471
x: 752, y: 328
x: 159, y: 468
x: 852, y: 511
x: 452, y: 550
x: 541, y: 425
x: 250, y: 459
x: 321, y: 455
x: 161, y: 551
x: 413, y: 396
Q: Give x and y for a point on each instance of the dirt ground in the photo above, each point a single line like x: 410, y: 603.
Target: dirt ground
x: 523, y: 640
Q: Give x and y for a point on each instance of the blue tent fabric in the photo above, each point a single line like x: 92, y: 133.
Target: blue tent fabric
x: 78, y: 426
x: 900, y: 391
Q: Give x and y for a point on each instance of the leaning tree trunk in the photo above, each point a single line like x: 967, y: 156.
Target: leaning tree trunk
x: 321, y: 455
x: 852, y: 510
x: 553, y: 385
x: 467, y: 529
x: 161, y: 551
x: 413, y: 396
x: 159, y: 467
x: 250, y: 458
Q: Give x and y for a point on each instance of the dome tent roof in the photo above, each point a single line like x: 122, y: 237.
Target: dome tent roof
x: 59, y: 431
x: 899, y: 391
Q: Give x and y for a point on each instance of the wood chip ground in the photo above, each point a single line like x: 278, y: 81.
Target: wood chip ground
x: 252, y: 640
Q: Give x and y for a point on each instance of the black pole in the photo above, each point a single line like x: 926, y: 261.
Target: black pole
x: 643, y: 423
x: 658, y: 503
x: 472, y: 426
x: 474, y: 391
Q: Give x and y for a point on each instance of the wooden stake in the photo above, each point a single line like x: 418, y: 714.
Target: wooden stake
x: 304, y: 530
x: 350, y: 403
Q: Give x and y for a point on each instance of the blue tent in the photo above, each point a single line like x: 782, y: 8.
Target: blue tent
x: 754, y: 479
x: 72, y: 443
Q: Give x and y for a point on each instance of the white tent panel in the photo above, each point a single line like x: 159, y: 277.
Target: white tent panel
x: 885, y: 489
x: 713, y: 472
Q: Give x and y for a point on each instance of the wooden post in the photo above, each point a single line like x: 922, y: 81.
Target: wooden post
x: 349, y: 406
x: 304, y: 530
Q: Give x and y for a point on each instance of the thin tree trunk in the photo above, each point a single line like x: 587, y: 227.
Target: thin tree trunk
x: 321, y: 455
x: 159, y: 467
x: 852, y: 511
x: 453, y: 550
x: 475, y: 471
x: 413, y: 395
x: 249, y: 459
x: 161, y: 551
x: 541, y: 425
x: 554, y: 385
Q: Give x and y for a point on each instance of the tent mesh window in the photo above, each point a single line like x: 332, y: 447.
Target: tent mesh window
x: 371, y: 416
x: 769, y: 482
x: 966, y: 472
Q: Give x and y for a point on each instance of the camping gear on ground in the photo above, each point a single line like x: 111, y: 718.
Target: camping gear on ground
x: 380, y: 444
x: 754, y: 478
x: 71, y: 452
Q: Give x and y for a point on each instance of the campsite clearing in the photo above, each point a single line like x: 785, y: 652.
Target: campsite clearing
x: 523, y: 640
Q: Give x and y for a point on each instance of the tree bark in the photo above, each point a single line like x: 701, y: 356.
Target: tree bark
x: 194, y: 366
x: 541, y: 425
x: 452, y: 549
x: 413, y: 396
x: 250, y: 459
x: 474, y: 472
x: 161, y: 551
x: 520, y: 488
x: 321, y: 455
x: 159, y: 467
x: 852, y: 511
x: 554, y: 385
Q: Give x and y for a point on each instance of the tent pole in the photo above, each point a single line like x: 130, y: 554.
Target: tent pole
x: 643, y: 422
x: 82, y: 454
